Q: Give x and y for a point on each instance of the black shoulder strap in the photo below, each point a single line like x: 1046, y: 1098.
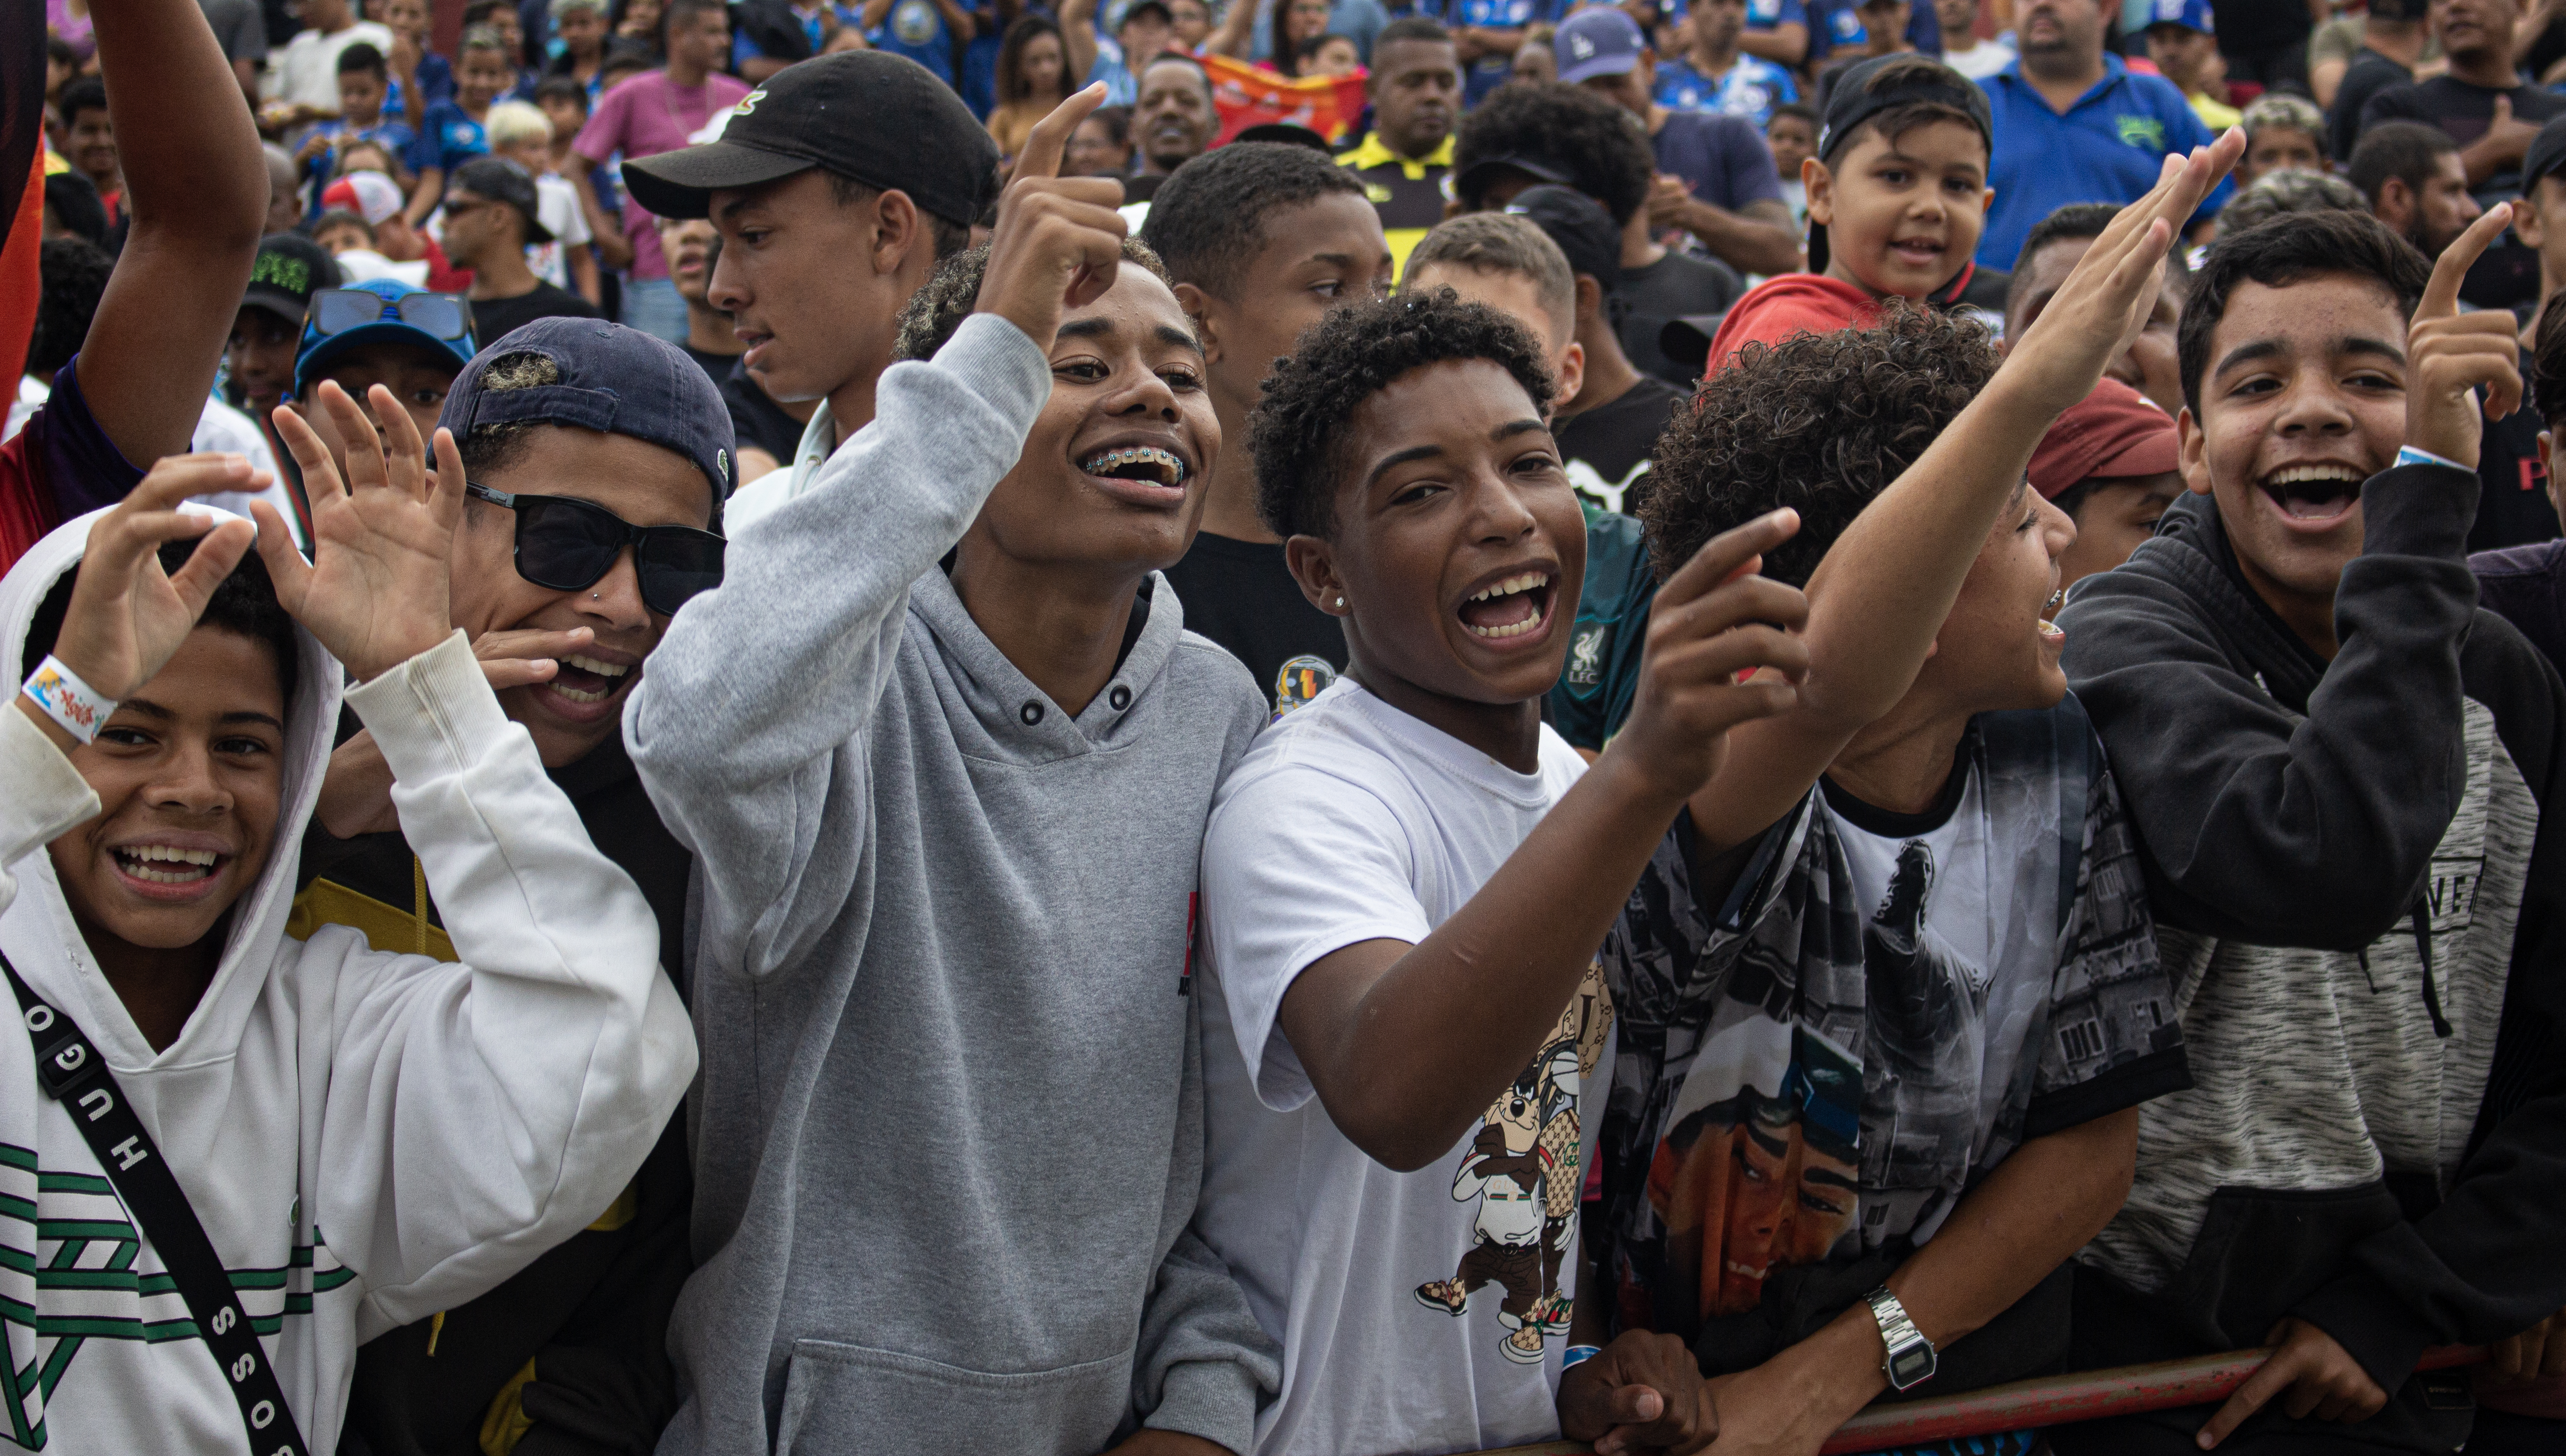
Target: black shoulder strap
x: 75, y: 1075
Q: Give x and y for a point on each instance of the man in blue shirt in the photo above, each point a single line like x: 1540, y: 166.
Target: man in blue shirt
x: 1489, y: 33
x: 2073, y: 124
x: 1776, y: 31
x: 1716, y: 77
x: 1841, y: 26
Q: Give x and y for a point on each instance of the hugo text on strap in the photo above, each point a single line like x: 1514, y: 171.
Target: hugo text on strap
x: 74, y: 1074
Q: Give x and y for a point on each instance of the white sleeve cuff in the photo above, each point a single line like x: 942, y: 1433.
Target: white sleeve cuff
x: 434, y: 714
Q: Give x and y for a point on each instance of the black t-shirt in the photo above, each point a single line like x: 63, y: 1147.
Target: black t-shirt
x: 716, y: 366
x: 757, y: 422
x: 2248, y: 25
x: 1607, y: 448
x: 1141, y: 187
x: 2512, y: 490
x: 2369, y: 73
x: 496, y: 319
x: 1240, y: 595
x: 1670, y: 288
x: 2462, y: 111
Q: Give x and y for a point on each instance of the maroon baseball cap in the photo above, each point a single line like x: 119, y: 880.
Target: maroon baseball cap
x: 2114, y: 431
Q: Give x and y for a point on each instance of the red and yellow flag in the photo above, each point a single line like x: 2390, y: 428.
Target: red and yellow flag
x: 1251, y: 97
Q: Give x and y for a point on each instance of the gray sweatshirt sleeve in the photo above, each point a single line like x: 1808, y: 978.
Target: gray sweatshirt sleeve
x: 748, y: 711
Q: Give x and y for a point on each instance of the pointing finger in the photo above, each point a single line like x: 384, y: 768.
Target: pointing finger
x: 2441, y: 295
x: 1048, y: 143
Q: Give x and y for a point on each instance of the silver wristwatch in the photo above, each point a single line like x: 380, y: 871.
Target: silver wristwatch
x: 1909, y: 1359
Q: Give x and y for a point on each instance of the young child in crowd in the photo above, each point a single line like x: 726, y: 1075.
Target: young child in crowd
x: 1887, y: 993
x: 1792, y: 135
x: 521, y: 134
x: 952, y: 665
x: 1263, y: 238
x: 363, y: 82
x: 453, y: 131
x: 1897, y: 195
x: 1405, y: 879
x: 2283, y: 133
x: 388, y: 1132
x: 2337, y: 766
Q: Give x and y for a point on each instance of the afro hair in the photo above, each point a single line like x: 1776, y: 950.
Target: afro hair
x: 1207, y: 221
x: 1298, y: 434
x: 953, y: 290
x: 1820, y: 423
x: 1599, y: 148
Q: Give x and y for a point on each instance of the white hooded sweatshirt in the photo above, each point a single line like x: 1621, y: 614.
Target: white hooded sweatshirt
x: 367, y: 1138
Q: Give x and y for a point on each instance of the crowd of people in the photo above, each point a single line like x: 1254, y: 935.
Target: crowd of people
x: 1709, y: 718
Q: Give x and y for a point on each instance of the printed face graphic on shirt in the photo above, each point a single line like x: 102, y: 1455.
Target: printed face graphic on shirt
x: 1523, y: 1174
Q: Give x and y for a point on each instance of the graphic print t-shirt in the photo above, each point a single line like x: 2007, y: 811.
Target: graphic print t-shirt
x: 1417, y: 1312
x: 1886, y: 1008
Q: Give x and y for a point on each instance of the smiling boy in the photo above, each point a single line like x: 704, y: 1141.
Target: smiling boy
x: 2337, y: 765
x: 1897, y: 190
x: 1405, y: 880
x: 947, y: 815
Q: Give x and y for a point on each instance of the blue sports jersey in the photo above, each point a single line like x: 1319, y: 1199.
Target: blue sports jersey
x: 1766, y: 14
x: 448, y: 139
x: 1751, y: 89
x: 1488, y: 73
x: 916, y: 29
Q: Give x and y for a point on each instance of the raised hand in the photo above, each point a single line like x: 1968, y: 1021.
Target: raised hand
x: 1058, y: 240
x: 2450, y: 356
x: 1713, y: 621
x: 376, y: 592
x: 2106, y: 300
x: 128, y: 616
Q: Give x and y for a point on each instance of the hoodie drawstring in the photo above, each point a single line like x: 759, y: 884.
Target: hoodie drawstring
x: 2432, y: 993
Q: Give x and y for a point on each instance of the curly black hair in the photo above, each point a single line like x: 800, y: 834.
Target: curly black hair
x: 953, y: 290
x: 1820, y: 423
x: 72, y: 274
x: 244, y: 603
x: 1298, y: 436
x: 1208, y: 218
x: 1601, y: 150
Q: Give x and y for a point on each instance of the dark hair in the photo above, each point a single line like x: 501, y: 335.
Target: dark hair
x: 71, y: 201
x: 1209, y: 219
x: 244, y: 603
x: 568, y: 88
x: 949, y: 296
x: 1132, y: 12
x: 2286, y: 250
x: 74, y: 273
x: 1598, y: 147
x: 1298, y: 434
x: 1412, y: 28
x: 1820, y: 423
x: 1011, y: 57
x: 341, y: 217
x: 623, y: 52
x: 1798, y: 111
x: 2277, y: 193
x: 2410, y: 152
x: 1310, y: 48
x: 88, y: 93
x: 950, y: 235
x: 675, y: 11
x: 1117, y: 122
x: 1201, y: 72
x: 58, y: 49
x: 362, y: 57
x: 2548, y: 366
x: 1893, y: 122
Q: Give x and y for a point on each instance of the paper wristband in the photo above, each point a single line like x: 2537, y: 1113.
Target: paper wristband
x: 78, y: 707
x: 1578, y: 1354
x: 2409, y: 455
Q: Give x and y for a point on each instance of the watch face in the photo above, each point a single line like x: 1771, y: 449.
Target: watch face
x: 1911, y: 1365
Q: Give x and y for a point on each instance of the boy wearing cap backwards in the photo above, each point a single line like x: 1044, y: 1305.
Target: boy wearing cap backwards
x: 826, y: 232
x: 1263, y: 238
x: 2337, y: 766
x: 570, y: 434
x: 197, y: 194
x: 943, y: 750
x: 2109, y: 465
x: 490, y: 219
x: 1897, y: 191
x: 1888, y: 995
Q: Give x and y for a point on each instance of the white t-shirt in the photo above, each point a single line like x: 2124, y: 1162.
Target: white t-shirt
x: 557, y: 208
x: 306, y: 69
x: 1351, y: 821
x: 1979, y: 61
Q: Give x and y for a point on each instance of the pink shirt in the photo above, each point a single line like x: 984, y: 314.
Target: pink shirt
x: 643, y: 117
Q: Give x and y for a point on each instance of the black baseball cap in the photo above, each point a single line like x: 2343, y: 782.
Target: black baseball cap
x: 1922, y: 82
x: 2547, y: 155
x: 1291, y: 134
x: 1470, y: 181
x: 502, y: 180
x: 1584, y: 231
x: 290, y: 268
x: 612, y: 378
x: 881, y: 120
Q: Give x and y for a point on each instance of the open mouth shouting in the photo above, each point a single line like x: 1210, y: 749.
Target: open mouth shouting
x: 585, y: 687
x: 1511, y: 610
x: 160, y: 869
x: 1144, y: 474
x: 2313, y: 498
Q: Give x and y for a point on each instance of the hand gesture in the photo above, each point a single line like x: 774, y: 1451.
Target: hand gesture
x: 1643, y: 1393
x: 2450, y: 356
x: 128, y: 616
x: 2106, y: 300
x: 375, y: 593
x: 2318, y: 1376
x: 1666, y: 198
x: 2508, y: 137
x: 1058, y: 240
x: 1714, y: 621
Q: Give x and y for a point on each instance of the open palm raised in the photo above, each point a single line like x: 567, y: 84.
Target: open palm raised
x: 376, y: 592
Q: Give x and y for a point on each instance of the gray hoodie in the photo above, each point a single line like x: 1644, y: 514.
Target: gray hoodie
x: 949, y: 1131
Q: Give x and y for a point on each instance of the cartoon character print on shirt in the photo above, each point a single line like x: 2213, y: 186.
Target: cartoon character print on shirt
x: 1524, y: 1174
x: 1928, y: 1027
x: 1300, y: 680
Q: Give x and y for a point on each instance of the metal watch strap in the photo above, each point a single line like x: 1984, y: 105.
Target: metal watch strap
x: 75, y: 1075
x: 1907, y: 1358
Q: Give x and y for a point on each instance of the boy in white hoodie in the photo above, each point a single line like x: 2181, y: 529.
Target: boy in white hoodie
x: 359, y: 1137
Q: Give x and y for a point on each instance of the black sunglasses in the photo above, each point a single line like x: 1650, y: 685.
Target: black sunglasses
x: 566, y: 545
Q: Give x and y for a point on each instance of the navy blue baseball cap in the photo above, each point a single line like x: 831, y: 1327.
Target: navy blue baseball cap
x: 379, y: 311
x: 606, y: 377
x: 1601, y: 41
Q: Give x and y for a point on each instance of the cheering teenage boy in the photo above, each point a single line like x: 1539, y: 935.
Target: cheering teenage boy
x: 1889, y: 993
x: 360, y: 1136
x: 947, y: 818
x: 2338, y: 765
